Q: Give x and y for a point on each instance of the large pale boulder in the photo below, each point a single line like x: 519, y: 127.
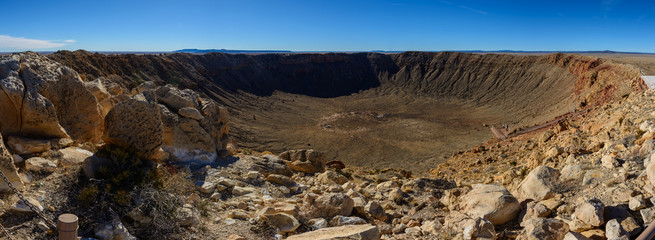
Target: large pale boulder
x: 135, y: 124
x: 539, y: 184
x: 42, y: 98
x: 354, y: 232
x: 21, y: 145
x: 591, y: 212
x: 8, y: 169
x: 491, y: 202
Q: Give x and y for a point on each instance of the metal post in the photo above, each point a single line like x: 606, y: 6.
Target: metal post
x: 648, y: 233
x: 67, y: 227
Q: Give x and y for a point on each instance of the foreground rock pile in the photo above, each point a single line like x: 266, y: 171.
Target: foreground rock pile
x: 590, y: 177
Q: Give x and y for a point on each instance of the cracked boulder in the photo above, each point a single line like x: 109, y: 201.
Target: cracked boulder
x: 42, y: 98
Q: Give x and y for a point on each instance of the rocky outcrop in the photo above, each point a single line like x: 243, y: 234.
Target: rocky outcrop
x: 8, y: 169
x: 42, y: 98
x: 307, y: 161
x: 188, y: 127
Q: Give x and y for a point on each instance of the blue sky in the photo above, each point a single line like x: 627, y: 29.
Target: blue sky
x: 331, y: 25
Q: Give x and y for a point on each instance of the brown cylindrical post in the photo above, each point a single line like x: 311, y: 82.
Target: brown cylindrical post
x: 648, y: 233
x: 67, y: 227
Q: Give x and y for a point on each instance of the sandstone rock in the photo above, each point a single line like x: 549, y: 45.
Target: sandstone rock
x: 591, y: 212
x: 190, y: 112
x: 238, y: 191
x: 207, y: 187
x: 400, y: 228
x: 431, y: 227
x: 571, y: 172
x: 21, y: 207
x: 533, y: 210
x: 45, y: 99
x: 355, y: 232
x: 269, y: 164
x: 647, y: 214
x: 544, y: 228
x: 480, y: 229
x: 253, y: 175
x: 609, y: 162
x: 281, y: 180
x: 577, y: 225
x: 308, y: 161
x: 613, y: 230
x: 636, y: 203
x: 376, y: 211
x: 650, y: 170
x: 575, y: 236
x: 538, y: 184
x: 594, y: 234
x: 317, y: 223
x: 490, y: 202
x: 343, y: 220
x: 8, y: 169
x: 97, y: 88
x: 22, y: 146
x: 38, y: 164
x: 285, y: 222
x: 59, y: 143
x: 631, y: 226
x: 450, y: 198
x: 135, y: 124
x: 73, y: 156
x: 329, y: 205
x: 331, y: 177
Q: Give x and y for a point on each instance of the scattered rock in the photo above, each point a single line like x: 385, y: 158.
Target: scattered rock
x: 376, y: 211
x: 637, y: 203
x: 285, y: 222
x: 575, y: 236
x: 39, y: 164
x: 23, y: 146
x: 490, y: 202
x: 329, y: 205
x: 317, y: 223
x: 9, y: 169
x: 281, y: 180
x: 331, y: 177
x: 432, y: 227
x: 571, y: 172
x: 609, y: 162
x: 538, y: 184
x: 544, y: 228
x: 190, y: 112
x: 591, y: 212
x: 343, y: 220
x: 361, y: 232
x: 307, y: 161
x: 480, y: 229
x: 613, y: 230
x: 21, y: 207
x: 73, y: 156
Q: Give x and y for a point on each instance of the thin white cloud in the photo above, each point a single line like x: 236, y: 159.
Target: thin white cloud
x: 473, y: 10
x: 70, y: 41
x: 9, y: 42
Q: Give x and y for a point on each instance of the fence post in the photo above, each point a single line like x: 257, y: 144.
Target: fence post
x: 67, y: 226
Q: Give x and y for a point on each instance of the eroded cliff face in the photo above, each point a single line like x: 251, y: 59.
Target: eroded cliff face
x: 516, y: 82
x: 410, y: 110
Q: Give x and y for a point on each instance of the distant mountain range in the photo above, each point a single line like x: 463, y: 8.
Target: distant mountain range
x: 194, y: 50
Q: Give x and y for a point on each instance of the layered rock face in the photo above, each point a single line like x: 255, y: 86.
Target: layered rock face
x: 541, y: 86
x: 42, y: 98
